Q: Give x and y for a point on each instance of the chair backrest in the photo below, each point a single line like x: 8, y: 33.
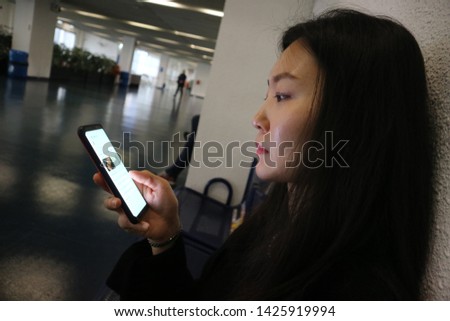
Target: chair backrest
x: 222, y: 181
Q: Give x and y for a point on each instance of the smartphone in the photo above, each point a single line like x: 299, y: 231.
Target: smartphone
x: 109, y: 163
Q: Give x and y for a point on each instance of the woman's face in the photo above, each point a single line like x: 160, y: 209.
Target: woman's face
x: 285, y: 111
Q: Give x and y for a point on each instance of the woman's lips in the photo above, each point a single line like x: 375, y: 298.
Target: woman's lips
x: 260, y: 150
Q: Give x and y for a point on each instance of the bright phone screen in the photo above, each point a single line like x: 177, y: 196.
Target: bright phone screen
x: 116, y: 170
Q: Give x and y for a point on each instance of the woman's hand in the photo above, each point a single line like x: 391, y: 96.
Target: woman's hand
x: 161, y: 221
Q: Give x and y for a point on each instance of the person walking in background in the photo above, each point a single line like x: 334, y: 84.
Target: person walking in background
x: 180, y: 84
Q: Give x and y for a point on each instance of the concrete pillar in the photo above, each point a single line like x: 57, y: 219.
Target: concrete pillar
x: 247, y: 48
x: 33, y: 32
x: 6, y: 15
x: 161, y: 79
x: 125, y: 59
x: 126, y: 53
x: 79, y: 38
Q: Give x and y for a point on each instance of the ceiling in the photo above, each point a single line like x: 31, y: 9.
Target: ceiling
x: 179, y: 32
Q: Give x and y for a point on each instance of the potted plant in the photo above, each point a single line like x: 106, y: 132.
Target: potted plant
x: 81, y: 66
x: 5, y: 46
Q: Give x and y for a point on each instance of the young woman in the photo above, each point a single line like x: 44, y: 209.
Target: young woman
x: 344, y: 136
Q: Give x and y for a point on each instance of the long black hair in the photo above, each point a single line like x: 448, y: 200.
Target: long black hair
x: 373, y: 211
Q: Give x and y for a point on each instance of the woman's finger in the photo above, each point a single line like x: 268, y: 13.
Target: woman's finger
x: 140, y: 228
x: 98, y: 180
x: 146, y: 178
x: 113, y: 203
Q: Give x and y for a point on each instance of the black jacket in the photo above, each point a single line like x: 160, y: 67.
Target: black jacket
x: 139, y: 275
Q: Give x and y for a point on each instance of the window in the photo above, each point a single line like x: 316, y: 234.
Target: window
x: 145, y: 63
x: 64, y: 38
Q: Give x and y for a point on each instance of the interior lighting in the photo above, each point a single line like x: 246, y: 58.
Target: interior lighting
x: 90, y: 14
x: 201, y: 48
x: 173, y: 42
x: 177, y: 33
x: 93, y: 25
x: 143, y: 25
x: 178, y: 5
x: 190, y: 35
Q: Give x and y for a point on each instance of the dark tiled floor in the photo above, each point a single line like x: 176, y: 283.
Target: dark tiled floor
x: 57, y: 242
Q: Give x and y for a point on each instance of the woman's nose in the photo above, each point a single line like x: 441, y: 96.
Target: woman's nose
x: 260, y: 121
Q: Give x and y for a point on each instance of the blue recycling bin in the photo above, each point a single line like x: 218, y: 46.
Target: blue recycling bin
x: 124, y: 79
x: 18, y: 64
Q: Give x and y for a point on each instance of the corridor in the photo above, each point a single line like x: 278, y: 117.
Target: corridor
x: 57, y: 240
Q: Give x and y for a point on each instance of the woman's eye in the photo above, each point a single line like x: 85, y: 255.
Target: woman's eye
x: 281, y: 97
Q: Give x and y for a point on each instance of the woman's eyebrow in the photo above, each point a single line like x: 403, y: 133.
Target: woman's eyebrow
x: 281, y: 76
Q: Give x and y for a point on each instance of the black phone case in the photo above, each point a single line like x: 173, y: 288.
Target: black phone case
x: 99, y: 165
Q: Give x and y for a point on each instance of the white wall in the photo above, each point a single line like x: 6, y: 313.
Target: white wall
x: 429, y: 21
x: 245, y: 52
